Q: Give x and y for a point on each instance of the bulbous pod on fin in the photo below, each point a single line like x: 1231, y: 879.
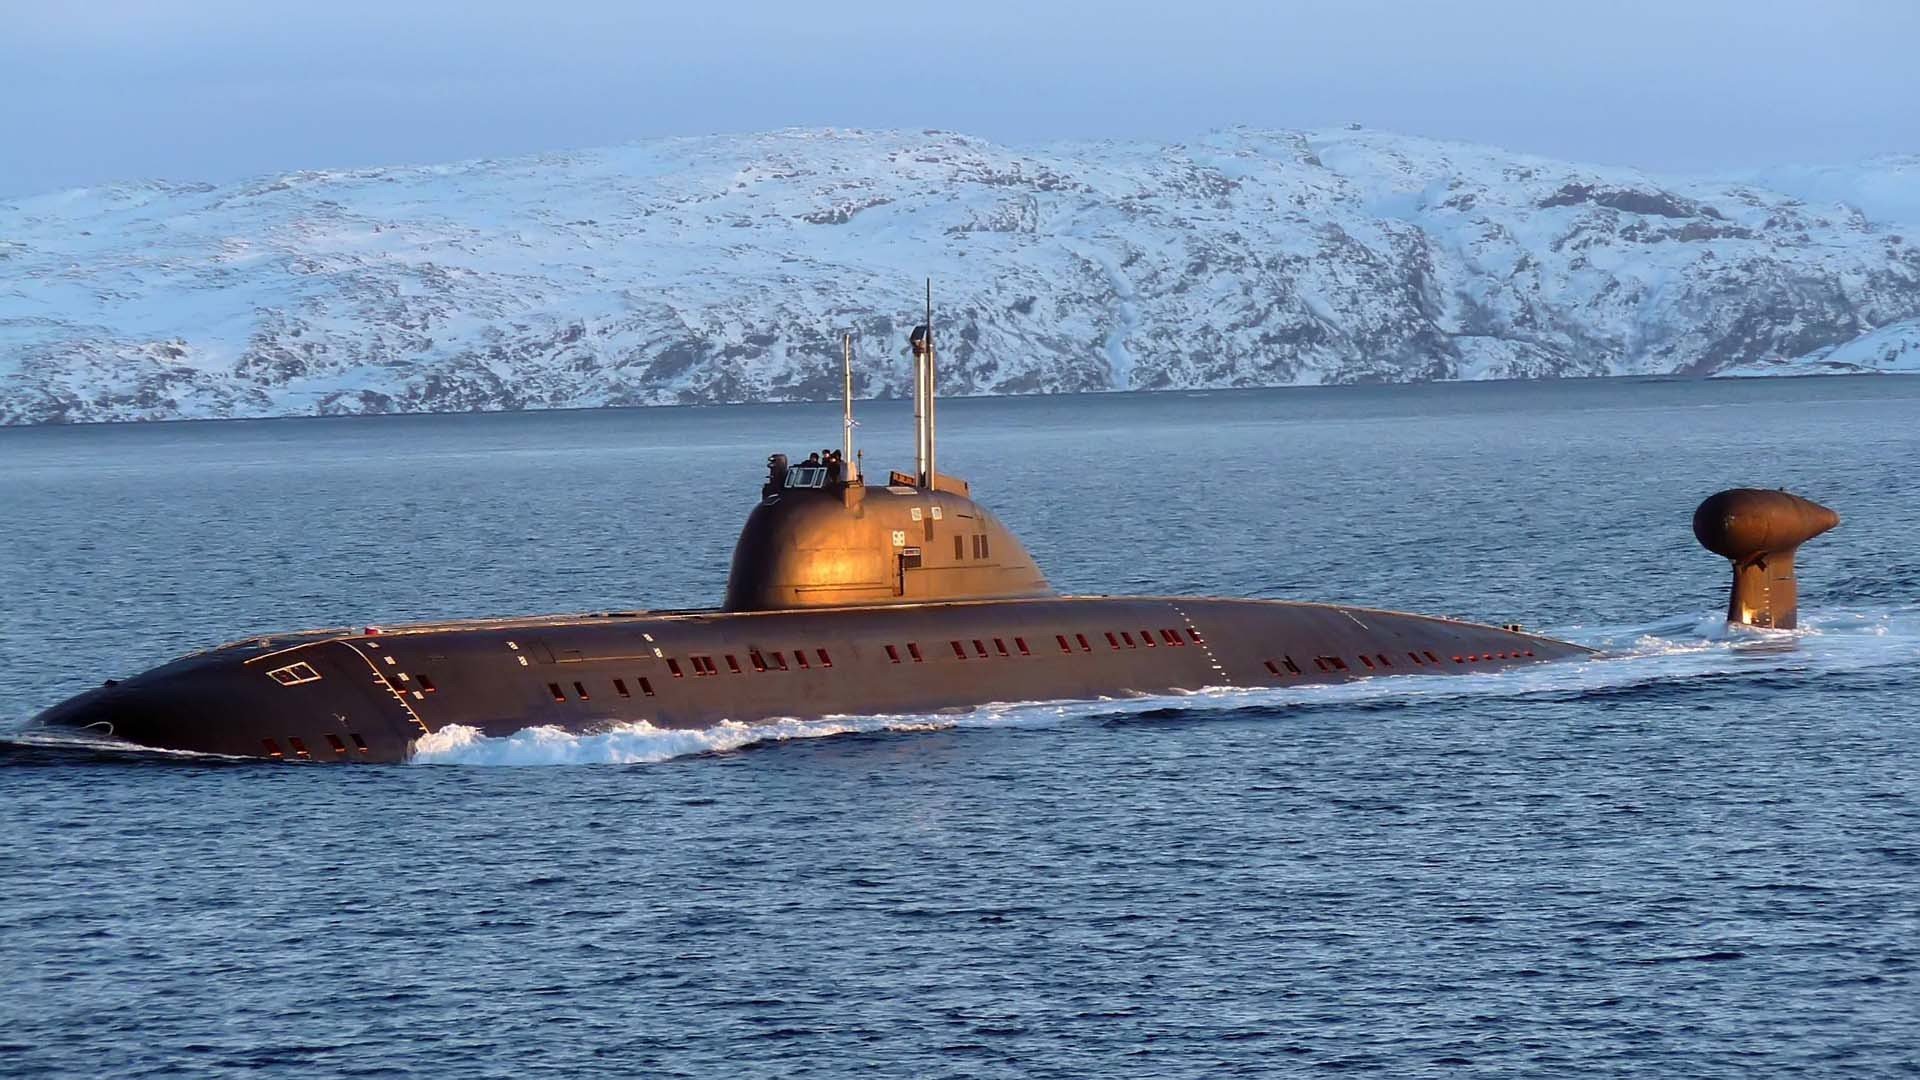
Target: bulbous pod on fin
x: 1758, y: 531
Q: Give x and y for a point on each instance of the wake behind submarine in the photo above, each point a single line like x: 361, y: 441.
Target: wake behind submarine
x: 845, y: 598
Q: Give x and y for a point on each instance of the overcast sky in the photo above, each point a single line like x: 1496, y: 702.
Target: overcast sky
x: 96, y: 90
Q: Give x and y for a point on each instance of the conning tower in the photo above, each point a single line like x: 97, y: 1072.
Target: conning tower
x: 823, y: 537
x: 1759, y: 531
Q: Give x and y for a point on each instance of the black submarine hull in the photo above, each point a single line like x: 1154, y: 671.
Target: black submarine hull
x: 369, y: 696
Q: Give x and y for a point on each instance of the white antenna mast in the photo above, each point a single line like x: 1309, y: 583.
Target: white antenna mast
x: 849, y: 463
x: 923, y: 383
x: 932, y: 474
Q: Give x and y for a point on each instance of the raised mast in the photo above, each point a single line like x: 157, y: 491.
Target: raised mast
x: 851, y: 470
x: 923, y: 383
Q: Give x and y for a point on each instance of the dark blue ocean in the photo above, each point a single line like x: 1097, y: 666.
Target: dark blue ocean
x: 1696, y: 856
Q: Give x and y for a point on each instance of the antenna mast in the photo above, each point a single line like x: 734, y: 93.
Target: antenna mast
x: 923, y: 383
x: 931, y: 473
x: 849, y: 463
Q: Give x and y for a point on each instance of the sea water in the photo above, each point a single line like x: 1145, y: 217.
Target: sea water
x: 1697, y: 854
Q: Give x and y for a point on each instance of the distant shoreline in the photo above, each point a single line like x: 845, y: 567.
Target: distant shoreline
x: 1234, y: 391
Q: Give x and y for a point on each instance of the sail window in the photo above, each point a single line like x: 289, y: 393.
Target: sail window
x: 1273, y: 667
x: 1062, y: 639
x: 359, y: 743
x: 646, y: 686
x: 1128, y: 638
x: 1111, y: 640
x: 913, y: 650
x: 1320, y: 662
x: 1367, y: 660
x: 759, y: 662
x: 1195, y: 635
x: 338, y: 746
x: 1429, y: 655
x: 1338, y: 664
x: 554, y: 689
x: 893, y: 655
x: 1415, y: 657
x: 272, y: 748
x: 1146, y: 638
x: 1171, y: 638
x: 807, y: 476
x: 825, y: 660
x: 979, y: 647
x: 1291, y: 666
x: 674, y: 667
x: 299, y: 747
x: 800, y: 657
x: 620, y: 687
x: 1082, y: 639
x: 1021, y: 644
x: 580, y: 690
x: 733, y: 664
x: 959, y: 547
x: 959, y: 652
x: 1384, y: 662
x: 779, y: 660
x: 294, y: 674
x: 1000, y: 646
x: 426, y: 684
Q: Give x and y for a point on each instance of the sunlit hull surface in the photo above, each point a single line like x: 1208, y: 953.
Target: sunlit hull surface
x: 368, y: 696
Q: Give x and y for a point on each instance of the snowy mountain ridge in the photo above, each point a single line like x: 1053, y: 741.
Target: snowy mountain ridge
x: 724, y: 268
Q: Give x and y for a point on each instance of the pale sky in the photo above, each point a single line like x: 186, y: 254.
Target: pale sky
x: 100, y: 90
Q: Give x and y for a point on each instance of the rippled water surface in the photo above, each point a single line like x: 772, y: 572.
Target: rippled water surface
x: 1698, y: 855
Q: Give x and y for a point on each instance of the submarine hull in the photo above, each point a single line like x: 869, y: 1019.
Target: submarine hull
x: 369, y: 696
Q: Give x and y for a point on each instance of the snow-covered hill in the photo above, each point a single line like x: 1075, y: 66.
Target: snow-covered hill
x: 725, y: 268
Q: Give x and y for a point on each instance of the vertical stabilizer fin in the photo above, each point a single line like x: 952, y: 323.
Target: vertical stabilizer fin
x: 1759, y: 531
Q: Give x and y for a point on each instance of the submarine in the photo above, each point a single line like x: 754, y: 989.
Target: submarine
x: 845, y: 597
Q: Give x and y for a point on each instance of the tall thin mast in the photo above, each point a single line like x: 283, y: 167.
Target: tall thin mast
x: 928, y: 479
x: 923, y: 383
x: 850, y: 470
x: 918, y: 342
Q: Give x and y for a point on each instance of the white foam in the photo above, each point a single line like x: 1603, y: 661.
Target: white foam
x: 1676, y: 649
